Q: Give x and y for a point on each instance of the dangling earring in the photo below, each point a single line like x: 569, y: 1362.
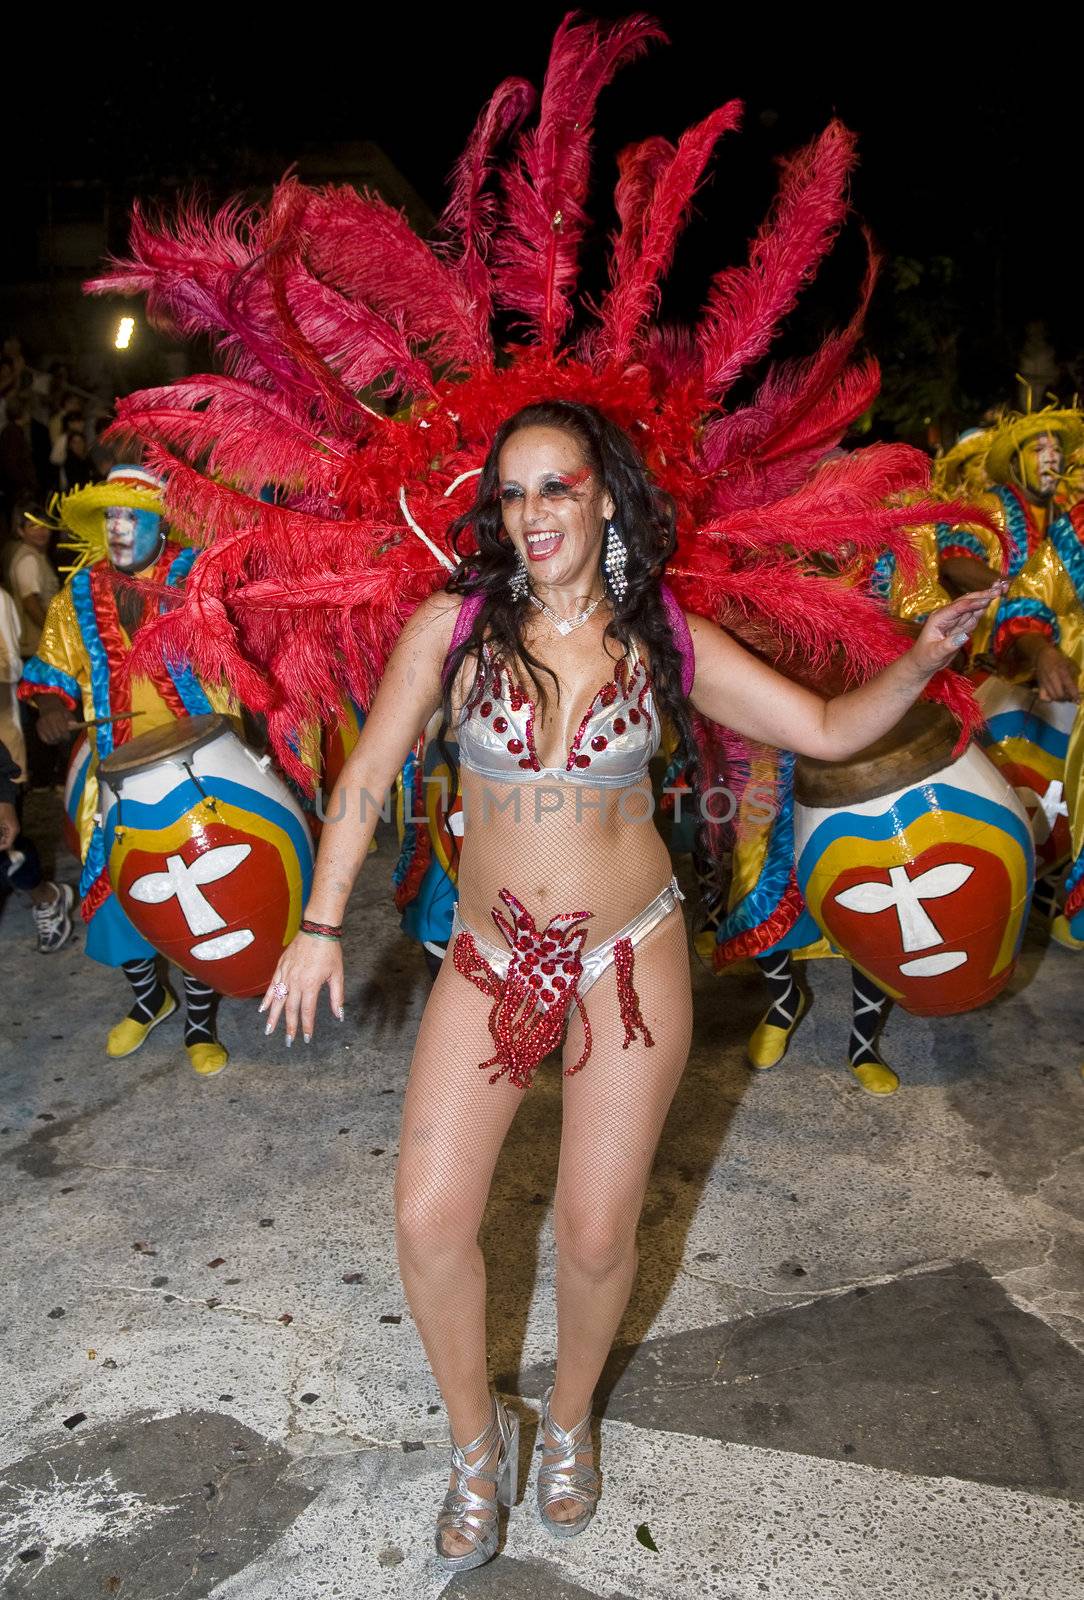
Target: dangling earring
x: 614, y: 563
x: 518, y: 582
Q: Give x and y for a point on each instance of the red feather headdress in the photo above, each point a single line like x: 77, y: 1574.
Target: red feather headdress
x: 324, y: 304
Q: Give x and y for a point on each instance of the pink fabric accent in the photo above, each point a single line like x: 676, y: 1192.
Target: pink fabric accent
x: 683, y: 639
x: 464, y: 622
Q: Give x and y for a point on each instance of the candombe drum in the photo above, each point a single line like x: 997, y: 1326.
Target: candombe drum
x: 1027, y: 739
x: 208, y: 852
x: 337, y: 741
x: 917, y: 866
x: 429, y: 821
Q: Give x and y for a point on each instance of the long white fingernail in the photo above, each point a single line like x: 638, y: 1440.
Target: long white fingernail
x: 960, y: 638
x: 308, y: 1038
x: 267, y: 1030
x: 262, y: 1007
x: 341, y: 1014
x: 289, y: 1040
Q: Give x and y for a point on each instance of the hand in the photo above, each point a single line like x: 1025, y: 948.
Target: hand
x: 304, y: 967
x: 1056, y: 675
x: 9, y: 825
x: 949, y: 628
x: 55, y: 722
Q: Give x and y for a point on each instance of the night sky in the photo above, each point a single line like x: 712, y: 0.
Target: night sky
x: 964, y: 152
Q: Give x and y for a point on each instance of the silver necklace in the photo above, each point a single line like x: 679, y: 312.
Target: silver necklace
x: 565, y: 625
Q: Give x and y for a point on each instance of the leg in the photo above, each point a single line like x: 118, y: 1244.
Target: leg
x: 769, y: 1040
x: 50, y: 903
x: 153, y: 1004
x: 614, y: 1111
x: 454, y: 1123
x: 871, y: 1008
x: 200, y: 1037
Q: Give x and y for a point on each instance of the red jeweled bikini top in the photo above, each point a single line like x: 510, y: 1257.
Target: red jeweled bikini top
x: 613, y: 745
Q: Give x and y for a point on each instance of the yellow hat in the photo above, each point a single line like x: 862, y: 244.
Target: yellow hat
x: 948, y: 469
x: 1015, y: 432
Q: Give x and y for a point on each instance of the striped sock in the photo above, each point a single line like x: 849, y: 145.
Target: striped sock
x: 870, y: 1010
x: 783, y: 991
x: 199, y: 1022
x: 147, y: 987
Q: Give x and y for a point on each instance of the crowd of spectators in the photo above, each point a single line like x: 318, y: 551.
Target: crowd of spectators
x: 50, y: 443
x: 50, y: 433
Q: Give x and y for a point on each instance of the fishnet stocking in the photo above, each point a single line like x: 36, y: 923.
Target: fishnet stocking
x: 454, y: 1123
x: 613, y: 1116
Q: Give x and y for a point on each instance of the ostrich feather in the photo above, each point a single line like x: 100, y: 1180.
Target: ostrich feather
x: 537, y: 250
x: 368, y: 251
x: 644, y: 258
x: 471, y: 214
x: 746, y: 304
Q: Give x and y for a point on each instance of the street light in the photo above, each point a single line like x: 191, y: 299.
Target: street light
x: 125, y: 329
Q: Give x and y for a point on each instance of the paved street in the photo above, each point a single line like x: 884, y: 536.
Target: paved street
x: 852, y: 1364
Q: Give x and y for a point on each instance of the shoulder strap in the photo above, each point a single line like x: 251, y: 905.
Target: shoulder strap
x: 464, y: 622
x: 683, y: 639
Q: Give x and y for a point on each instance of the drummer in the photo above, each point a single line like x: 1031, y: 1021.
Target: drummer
x: 1024, y: 462
x: 1039, y: 637
x: 766, y: 916
x: 118, y: 529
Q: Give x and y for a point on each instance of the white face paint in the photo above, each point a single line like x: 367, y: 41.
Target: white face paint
x: 132, y: 536
x: 184, y: 881
x: 1040, y: 464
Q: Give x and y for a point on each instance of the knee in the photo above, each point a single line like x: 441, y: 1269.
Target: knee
x: 431, y: 1223
x: 594, y: 1241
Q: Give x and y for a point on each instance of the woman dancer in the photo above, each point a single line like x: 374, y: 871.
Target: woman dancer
x: 554, y: 651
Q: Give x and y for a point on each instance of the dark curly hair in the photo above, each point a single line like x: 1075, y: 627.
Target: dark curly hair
x: 645, y: 516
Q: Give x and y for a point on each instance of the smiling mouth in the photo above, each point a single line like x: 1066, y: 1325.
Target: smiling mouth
x: 541, y: 546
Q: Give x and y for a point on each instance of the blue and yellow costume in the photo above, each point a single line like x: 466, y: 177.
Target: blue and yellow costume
x: 1013, y: 505
x: 79, y: 660
x: 1046, y: 599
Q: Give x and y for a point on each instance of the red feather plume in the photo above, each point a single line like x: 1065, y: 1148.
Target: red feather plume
x: 323, y: 523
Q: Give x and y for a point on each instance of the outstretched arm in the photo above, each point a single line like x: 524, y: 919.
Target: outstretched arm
x: 734, y: 688
x: 409, y: 693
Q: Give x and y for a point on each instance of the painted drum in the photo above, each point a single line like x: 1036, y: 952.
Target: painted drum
x: 74, y: 788
x: 1027, y: 739
x: 918, y: 866
x: 429, y: 821
x: 208, y: 852
x: 337, y: 741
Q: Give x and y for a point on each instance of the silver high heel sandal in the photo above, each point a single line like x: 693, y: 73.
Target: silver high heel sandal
x: 474, y: 1516
x: 562, y: 1477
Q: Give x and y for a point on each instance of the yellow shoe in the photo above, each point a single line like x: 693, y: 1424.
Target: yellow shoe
x: 768, y: 1043
x: 128, y: 1034
x: 1061, y: 933
x: 875, y: 1077
x: 207, y: 1059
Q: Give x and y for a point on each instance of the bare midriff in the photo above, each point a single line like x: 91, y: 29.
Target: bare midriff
x: 560, y: 848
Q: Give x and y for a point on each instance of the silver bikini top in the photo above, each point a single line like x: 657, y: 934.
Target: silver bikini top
x: 613, y: 744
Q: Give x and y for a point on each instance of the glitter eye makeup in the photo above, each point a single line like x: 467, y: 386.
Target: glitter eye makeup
x: 566, y: 481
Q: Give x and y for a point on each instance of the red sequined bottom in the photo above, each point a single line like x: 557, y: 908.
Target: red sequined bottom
x: 533, y: 1001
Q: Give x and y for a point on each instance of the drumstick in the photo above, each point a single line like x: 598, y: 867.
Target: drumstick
x: 121, y: 716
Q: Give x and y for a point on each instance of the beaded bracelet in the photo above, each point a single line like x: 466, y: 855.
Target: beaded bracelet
x: 322, y: 930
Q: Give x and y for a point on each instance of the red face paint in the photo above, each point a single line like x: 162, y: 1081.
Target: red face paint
x: 573, y: 480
